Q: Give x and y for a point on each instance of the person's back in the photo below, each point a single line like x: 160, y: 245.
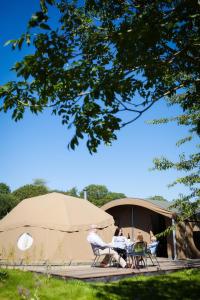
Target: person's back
x: 119, y: 242
x: 152, y: 247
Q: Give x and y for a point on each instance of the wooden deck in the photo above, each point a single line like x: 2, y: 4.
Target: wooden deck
x: 88, y: 273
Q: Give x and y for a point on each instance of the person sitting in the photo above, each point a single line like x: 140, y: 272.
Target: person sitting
x: 139, y: 247
x: 120, y: 243
x: 152, y: 246
x: 139, y: 237
x: 152, y: 237
x: 104, y: 248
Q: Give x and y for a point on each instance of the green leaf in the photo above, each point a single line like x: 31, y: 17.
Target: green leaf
x: 51, y: 2
x: 20, y: 42
x: 45, y: 26
x: 9, y: 42
x: 43, y: 6
x: 28, y: 39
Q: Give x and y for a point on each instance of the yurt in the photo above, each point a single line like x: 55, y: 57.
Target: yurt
x: 51, y: 228
x: 145, y: 215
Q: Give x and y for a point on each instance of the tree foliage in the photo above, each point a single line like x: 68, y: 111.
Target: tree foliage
x: 99, y: 194
x: 157, y: 197
x: 72, y: 192
x: 7, y: 200
x: 29, y: 190
x: 105, y: 63
x: 4, y: 188
x: 187, y: 204
x: 7, y: 203
x: 113, y: 196
x: 39, y: 181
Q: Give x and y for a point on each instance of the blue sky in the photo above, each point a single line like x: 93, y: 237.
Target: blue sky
x: 36, y: 147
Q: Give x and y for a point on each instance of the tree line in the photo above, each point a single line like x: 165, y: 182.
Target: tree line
x: 96, y: 194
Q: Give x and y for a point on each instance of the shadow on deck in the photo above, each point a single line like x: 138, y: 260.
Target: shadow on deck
x: 88, y: 273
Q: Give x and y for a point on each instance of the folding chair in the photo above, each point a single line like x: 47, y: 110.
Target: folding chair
x: 97, y: 255
x: 138, y: 254
x: 129, y: 251
x: 151, y: 252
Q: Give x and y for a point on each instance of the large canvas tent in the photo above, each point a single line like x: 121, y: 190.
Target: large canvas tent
x: 134, y: 214
x: 51, y: 228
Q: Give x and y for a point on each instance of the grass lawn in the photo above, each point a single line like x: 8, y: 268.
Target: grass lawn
x: 15, y: 284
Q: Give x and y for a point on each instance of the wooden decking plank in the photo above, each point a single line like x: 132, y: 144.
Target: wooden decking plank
x: 88, y: 273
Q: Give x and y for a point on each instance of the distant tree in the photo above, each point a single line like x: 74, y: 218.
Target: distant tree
x: 57, y: 191
x: 39, y: 181
x: 4, y: 188
x: 29, y: 190
x: 99, y: 194
x: 157, y: 197
x: 94, y: 192
x: 113, y: 196
x: 7, y: 200
x: 72, y: 192
x: 7, y: 203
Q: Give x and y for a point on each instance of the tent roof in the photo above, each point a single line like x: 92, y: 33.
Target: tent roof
x: 56, y: 211
x: 161, y: 207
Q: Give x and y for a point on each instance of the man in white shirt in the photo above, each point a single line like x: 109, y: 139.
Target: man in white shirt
x: 104, y: 248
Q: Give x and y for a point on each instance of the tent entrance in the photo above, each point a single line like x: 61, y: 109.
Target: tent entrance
x: 158, y: 226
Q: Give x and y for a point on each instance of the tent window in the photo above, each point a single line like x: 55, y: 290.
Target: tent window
x: 25, y: 241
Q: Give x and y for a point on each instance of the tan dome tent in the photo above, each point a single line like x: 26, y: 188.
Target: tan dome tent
x: 51, y: 228
x: 145, y: 215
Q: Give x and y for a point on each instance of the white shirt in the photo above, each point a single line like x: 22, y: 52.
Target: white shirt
x: 120, y: 242
x: 94, y: 238
x: 152, y: 247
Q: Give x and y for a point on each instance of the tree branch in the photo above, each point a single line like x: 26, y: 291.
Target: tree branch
x: 52, y: 105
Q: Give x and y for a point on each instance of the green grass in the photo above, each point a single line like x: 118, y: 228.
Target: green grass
x: 183, y: 285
